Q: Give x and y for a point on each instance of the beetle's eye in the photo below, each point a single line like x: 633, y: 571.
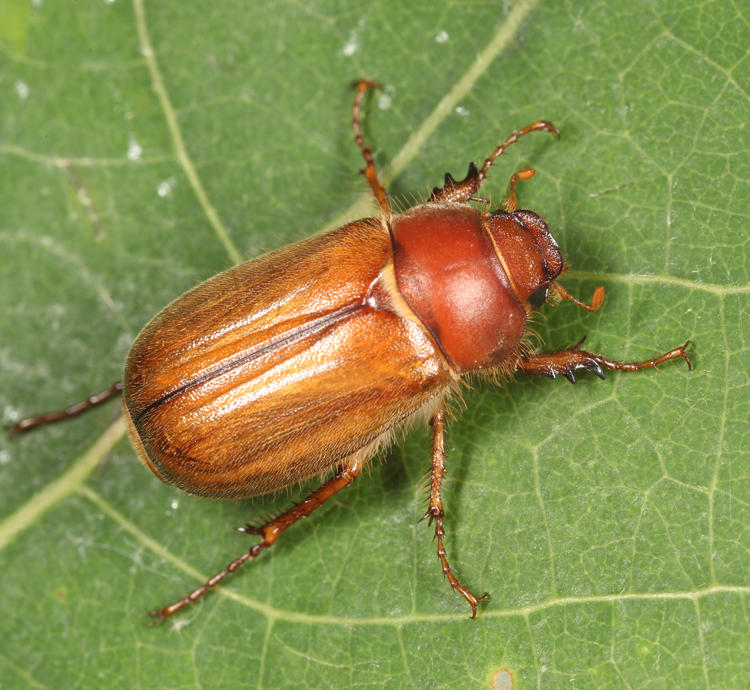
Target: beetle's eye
x: 538, y: 298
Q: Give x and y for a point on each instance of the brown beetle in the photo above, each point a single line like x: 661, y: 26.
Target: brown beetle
x: 306, y: 360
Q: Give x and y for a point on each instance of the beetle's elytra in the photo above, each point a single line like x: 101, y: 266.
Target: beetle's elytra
x: 304, y: 361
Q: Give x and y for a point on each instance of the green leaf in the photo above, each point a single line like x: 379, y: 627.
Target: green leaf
x: 144, y: 148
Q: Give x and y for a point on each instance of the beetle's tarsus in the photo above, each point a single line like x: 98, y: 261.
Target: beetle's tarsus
x: 157, y: 617
x: 249, y: 529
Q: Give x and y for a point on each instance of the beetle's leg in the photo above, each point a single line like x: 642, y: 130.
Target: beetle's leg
x: 464, y: 190
x: 70, y: 411
x: 269, y: 532
x: 567, y: 362
x: 369, y: 172
x: 435, y: 510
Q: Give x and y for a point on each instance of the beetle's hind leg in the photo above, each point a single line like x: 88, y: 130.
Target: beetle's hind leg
x: 74, y: 410
x: 369, y: 171
x: 435, y: 510
x: 269, y: 533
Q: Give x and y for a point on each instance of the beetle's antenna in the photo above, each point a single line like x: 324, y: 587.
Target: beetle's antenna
x: 369, y: 171
x: 596, y: 300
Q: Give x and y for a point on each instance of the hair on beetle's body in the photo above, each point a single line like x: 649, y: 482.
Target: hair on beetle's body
x: 310, y: 359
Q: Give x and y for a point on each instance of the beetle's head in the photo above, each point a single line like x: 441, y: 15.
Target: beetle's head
x: 531, y: 258
x: 529, y: 254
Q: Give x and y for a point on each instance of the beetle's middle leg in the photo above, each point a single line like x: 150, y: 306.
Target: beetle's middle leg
x: 270, y: 532
x: 435, y: 510
x: 567, y: 362
x: 369, y: 172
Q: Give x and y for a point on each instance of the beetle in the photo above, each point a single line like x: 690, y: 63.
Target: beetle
x: 304, y: 361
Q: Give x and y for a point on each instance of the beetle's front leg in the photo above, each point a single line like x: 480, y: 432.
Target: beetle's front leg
x: 464, y: 190
x: 435, y: 510
x: 567, y: 362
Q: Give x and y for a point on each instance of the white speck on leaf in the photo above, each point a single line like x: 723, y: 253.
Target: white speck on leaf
x: 384, y: 101
x: 165, y: 188
x: 175, y: 504
x: 352, y: 44
x: 462, y: 111
x: 135, y: 150
x: 11, y: 413
x: 22, y: 90
x: 84, y: 198
x: 442, y: 36
x: 350, y: 47
x: 4, y: 457
x: 179, y: 624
